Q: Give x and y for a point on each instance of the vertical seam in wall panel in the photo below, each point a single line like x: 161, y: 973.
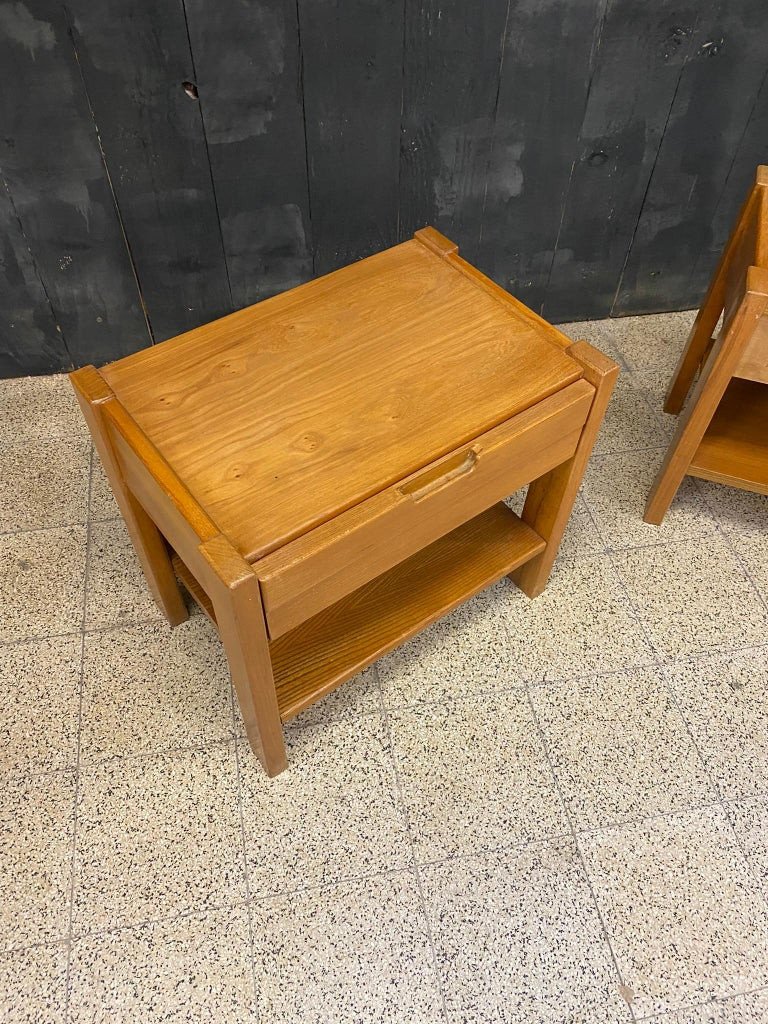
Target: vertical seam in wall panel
x: 306, y: 141
x: 502, y: 50
x: 38, y: 275
x: 131, y: 261
x: 653, y: 168
x: 208, y: 155
x: 599, y: 26
x: 400, y: 125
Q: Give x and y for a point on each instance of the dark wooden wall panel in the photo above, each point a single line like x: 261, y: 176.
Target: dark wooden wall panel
x: 248, y: 67
x: 51, y: 162
x: 30, y: 341
x: 134, y: 57
x: 550, y: 50
x: 353, y: 72
x: 752, y: 150
x: 590, y: 155
x: 451, y: 68
x: 709, y: 116
x: 617, y: 147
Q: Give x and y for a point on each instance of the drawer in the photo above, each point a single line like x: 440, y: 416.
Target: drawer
x: 331, y: 561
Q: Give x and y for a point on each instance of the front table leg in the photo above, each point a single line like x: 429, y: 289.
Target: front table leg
x: 550, y: 498
x: 236, y: 598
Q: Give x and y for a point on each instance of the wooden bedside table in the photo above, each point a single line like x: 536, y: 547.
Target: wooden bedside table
x: 324, y: 471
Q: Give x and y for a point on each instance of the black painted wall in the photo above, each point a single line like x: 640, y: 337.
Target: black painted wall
x: 167, y: 161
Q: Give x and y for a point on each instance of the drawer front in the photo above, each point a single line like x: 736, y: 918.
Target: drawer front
x: 323, y: 566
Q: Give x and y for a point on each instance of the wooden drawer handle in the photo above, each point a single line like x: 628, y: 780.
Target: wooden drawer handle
x: 434, y: 479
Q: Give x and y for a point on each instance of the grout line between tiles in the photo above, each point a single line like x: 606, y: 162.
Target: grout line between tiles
x: 246, y: 873
x: 568, y: 817
x: 414, y: 860
x: 575, y: 839
x: 714, y: 1002
x: 660, y: 664
x: 73, y: 858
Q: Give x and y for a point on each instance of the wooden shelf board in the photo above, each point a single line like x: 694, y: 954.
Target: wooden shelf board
x: 734, y: 450
x: 191, y: 584
x: 323, y: 652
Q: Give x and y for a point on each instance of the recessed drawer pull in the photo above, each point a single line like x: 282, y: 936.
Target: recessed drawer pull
x: 439, y: 476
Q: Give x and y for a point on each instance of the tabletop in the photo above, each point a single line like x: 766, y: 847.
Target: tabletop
x: 282, y: 415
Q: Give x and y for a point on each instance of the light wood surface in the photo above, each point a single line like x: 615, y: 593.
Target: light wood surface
x: 284, y: 415
x: 739, y: 291
x: 320, y: 568
x: 747, y: 246
x: 322, y: 472
x: 339, y: 642
x: 97, y: 402
x: 550, y: 498
x: 734, y: 449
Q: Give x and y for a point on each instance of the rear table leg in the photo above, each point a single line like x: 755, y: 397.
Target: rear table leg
x: 93, y: 393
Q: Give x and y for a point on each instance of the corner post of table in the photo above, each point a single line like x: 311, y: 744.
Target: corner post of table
x: 234, y: 590
x: 551, y: 497
x: 700, y: 338
x: 714, y: 379
x: 94, y: 394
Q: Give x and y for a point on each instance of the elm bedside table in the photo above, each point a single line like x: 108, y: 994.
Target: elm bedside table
x: 324, y: 471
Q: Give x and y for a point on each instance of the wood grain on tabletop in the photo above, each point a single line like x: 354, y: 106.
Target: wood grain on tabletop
x: 416, y: 360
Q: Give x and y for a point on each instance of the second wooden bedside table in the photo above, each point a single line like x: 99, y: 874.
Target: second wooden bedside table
x: 324, y: 471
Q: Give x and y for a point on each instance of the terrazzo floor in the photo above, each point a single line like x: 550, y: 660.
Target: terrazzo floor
x: 535, y: 812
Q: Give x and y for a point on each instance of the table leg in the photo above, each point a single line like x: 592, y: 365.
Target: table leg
x: 93, y: 393
x: 550, y: 498
x: 236, y: 598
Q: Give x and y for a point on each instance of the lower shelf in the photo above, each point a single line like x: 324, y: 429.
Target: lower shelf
x: 340, y: 641
x: 334, y: 645
x: 734, y: 449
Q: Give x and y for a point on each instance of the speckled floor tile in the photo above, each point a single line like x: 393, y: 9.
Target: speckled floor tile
x: 117, y: 591
x: 33, y: 985
x: 42, y: 575
x: 157, y: 836
x: 750, y: 822
x: 630, y: 422
x: 194, y: 969
x: 693, y: 596
x: 753, y: 551
x: 358, y: 696
x: 649, y: 341
x: 581, y: 625
x: 518, y: 939
x: 684, y: 915
x: 36, y: 822
x: 616, y: 489
x: 581, y: 539
x: 723, y: 700
x: 346, y: 954
x: 619, y: 748
x: 738, y: 512
x: 465, y: 652
x: 332, y: 814
x: 151, y: 688
x: 749, y: 1008
x: 474, y: 776
x: 103, y: 504
x: 40, y: 705
x: 35, y: 407
x: 44, y: 484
